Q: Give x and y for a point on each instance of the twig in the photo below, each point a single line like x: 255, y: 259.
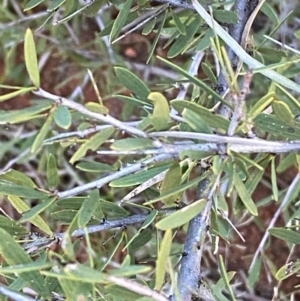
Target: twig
x: 285, y: 201
x: 189, y: 280
x: 83, y: 110
x: 11, y: 162
x: 83, y: 133
x: 137, y: 288
x: 242, y: 145
x: 105, y: 39
x: 116, y: 175
x: 40, y: 243
x: 14, y: 295
x: 193, y: 70
x: 282, y: 45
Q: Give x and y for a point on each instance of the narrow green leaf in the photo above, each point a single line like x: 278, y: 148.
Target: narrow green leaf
x: 132, y: 82
x: 148, y: 221
x: 15, y: 255
x: 195, y: 121
x: 16, y: 116
x: 155, y: 41
x: 87, y: 209
x: 283, y: 112
x: 269, y: 11
x: 112, y: 209
x: 9, y: 188
x: 254, y: 272
x: 273, y: 125
x: 171, y: 181
x: 64, y: 216
x: 84, y: 274
x: 62, y: 117
x: 205, y: 40
x: 244, y: 195
x: 161, y: 112
x: 132, y: 144
x: 144, y: 237
x: 286, y: 161
x: 117, y: 244
x: 226, y: 278
x: 92, y: 166
x: 225, y: 16
x: 11, y: 227
x: 52, y: 172
x: 286, y: 235
x: 261, y: 104
x: 208, y: 72
x: 120, y: 20
x: 32, y: 3
x: 33, y: 212
x: 93, y: 9
x: 21, y: 206
x: 132, y: 100
x: 31, y: 58
x: 179, y: 25
x: 15, y: 93
x: 73, y: 289
x: 97, y: 108
x: 162, y: 259
x: 55, y: 4
x: 149, y: 26
x: 17, y: 177
x: 182, y: 41
x: 181, y: 217
x: 42, y: 133
x: 92, y: 143
x: 210, y: 118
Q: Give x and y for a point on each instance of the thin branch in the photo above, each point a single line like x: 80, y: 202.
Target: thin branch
x: 249, y: 146
x: 83, y: 110
x: 285, y: 201
x: 282, y: 45
x: 237, y: 144
x: 14, y: 295
x: 193, y: 70
x: 83, y: 133
x: 116, y: 175
x: 40, y: 243
x: 189, y: 280
x: 137, y: 288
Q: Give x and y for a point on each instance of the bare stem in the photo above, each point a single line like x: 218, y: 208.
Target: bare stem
x: 83, y: 110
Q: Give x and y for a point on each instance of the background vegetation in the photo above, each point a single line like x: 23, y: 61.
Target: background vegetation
x: 141, y: 158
